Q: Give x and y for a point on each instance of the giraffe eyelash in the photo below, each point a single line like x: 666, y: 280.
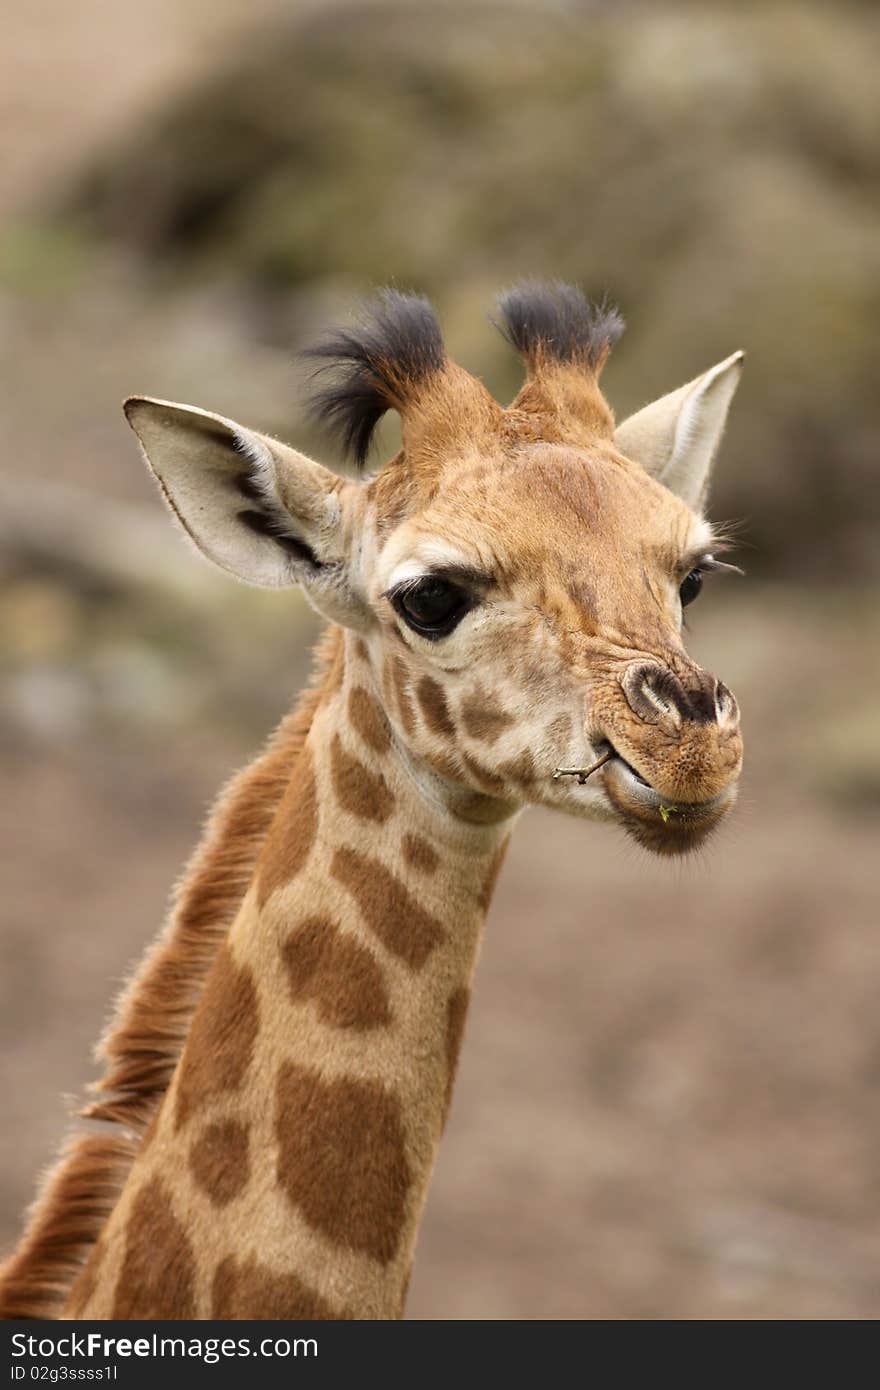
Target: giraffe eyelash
x: 474, y: 582
x: 707, y: 564
x: 710, y: 565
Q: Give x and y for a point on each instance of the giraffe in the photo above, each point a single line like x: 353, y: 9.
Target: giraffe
x: 504, y: 605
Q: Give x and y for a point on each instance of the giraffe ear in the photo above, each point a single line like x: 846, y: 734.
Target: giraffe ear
x: 252, y: 505
x: 255, y: 507
x: 676, y: 437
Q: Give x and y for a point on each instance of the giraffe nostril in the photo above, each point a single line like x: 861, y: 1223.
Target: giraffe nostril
x: 659, y: 696
x: 654, y: 694
x: 726, y: 709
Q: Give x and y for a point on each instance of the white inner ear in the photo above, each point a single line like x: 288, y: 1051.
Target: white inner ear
x: 247, y: 503
x: 263, y: 476
x: 261, y: 461
x: 699, y: 429
x: 676, y: 438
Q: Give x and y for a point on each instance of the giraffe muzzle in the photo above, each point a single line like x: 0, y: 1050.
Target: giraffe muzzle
x: 662, y: 822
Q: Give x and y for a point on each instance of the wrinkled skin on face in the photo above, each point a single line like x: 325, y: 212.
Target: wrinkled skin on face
x: 572, y: 560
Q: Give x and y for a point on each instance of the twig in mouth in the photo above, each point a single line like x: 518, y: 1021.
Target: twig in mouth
x: 582, y: 773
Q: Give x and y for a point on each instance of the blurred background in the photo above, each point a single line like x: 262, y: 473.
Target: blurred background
x: 669, y: 1102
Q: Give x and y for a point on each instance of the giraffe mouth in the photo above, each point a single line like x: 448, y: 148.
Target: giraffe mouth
x: 664, y: 824
x: 608, y: 747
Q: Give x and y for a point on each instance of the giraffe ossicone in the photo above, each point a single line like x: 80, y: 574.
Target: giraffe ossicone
x: 504, y: 606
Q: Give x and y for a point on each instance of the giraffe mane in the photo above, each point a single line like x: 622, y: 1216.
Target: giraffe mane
x: 146, y: 1036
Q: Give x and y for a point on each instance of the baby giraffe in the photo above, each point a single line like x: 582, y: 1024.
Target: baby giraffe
x: 504, y: 600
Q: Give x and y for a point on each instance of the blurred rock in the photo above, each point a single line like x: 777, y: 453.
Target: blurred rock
x: 715, y: 166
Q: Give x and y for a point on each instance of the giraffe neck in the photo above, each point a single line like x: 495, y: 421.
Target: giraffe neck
x: 286, y: 1171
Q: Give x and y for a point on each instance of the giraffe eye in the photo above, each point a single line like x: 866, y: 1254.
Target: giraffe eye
x: 432, y: 606
x: 690, y: 587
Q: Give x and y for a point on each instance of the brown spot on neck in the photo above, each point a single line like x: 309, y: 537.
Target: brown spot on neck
x: 222, y: 1038
x: 456, y: 1013
x: 419, y: 854
x: 251, y: 1290
x: 492, y: 805
x: 444, y: 764
x: 520, y: 769
x: 369, y: 719
x: 335, y: 671
x: 489, y: 780
x: 219, y: 1161
x: 399, y: 680
x: 388, y: 908
x: 342, y: 1159
x: 293, y: 831
x: 362, y: 793
x: 339, y: 974
x: 158, y: 1271
x: 477, y: 809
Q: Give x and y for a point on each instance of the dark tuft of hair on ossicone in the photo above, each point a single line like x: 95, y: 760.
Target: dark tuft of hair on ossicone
x: 554, y: 321
x: 371, y: 367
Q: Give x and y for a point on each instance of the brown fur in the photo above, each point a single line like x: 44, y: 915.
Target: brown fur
x: 419, y: 854
x: 145, y: 1040
x: 157, y: 1277
x: 362, y: 793
x: 339, y: 974
x: 491, y: 781
x: 251, y: 1290
x: 399, y: 921
x: 369, y: 719
x: 79, y: 1196
x: 491, y: 879
x: 482, y: 719
x: 456, y: 1013
x: 520, y: 769
x: 559, y: 731
x: 400, y: 682
x: 293, y: 832
x: 564, y: 402
x: 220, y: 1161
x: 432, y: 702
x: 220, y: 1046
x: 443, y: 763
x: 87, y: 1282
x: 342, y: 1159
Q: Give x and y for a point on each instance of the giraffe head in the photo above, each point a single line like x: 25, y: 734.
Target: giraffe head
x: 517, y: 575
